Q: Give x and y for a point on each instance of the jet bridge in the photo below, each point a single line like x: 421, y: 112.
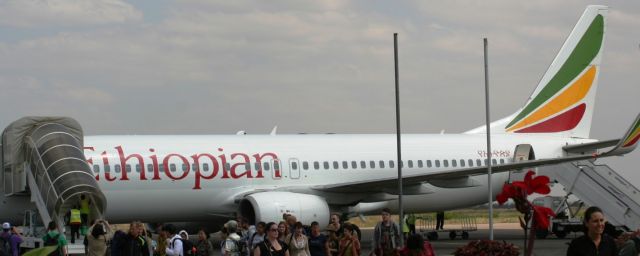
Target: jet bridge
x: 601, y: 186
x: 42, y: 157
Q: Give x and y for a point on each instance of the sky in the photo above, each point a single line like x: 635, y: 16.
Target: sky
x: 217, y: 67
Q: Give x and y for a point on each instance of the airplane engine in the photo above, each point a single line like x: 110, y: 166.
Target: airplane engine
x: 270, y: 206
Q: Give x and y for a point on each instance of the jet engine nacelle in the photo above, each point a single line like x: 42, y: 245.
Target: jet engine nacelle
x: 270, y: 206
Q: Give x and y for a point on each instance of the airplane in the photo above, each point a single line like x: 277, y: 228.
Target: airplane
x: 207, y: 178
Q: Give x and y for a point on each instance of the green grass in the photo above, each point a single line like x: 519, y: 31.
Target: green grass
x: 500, y: 215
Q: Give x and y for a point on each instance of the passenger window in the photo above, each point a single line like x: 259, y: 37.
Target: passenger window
x: 276, y: 165
x: 172, y: 167
x: 127, y: 167
x: 381, y: 164
x: 305, y: 165
x: 194, y: 167
x: 149, y: 168
x: 401, y: 163
x: 445, y: 163
x: 363, y: 165
x: 478, y: 162
x: 454, y: 163
x: 429, y: 163
x: 184, y: 167
x: 117, y: 168
x: 336, y: 165
x: 372, y: 164
x: 420, y: 164
x: 391, y: 164
x: 138, y: 168
x: 470, y: 162
x: 486, y: 162
x: 247, y: 166
x: 501, y: 161
x: 96, y: 168
x: 354, y: 165
x: 437, y: 163
x: 345, y: 165
x: 205, y: 166
x: 265, y: 166
x: 494, y: 162
x: 107, y: 168
x: 162, y: 168
x: 257, y: 166
x: 461, y: 162
x: 326, y: 165
x: 294, y: 165
x: 410, y: 163
x: 316, y: 165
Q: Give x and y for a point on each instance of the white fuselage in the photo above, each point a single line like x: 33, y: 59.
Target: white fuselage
x: 164, y: 183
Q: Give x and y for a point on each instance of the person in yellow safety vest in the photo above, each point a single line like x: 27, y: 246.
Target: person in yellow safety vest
x: 405, y: 227
x: 84, y: 213
x: 411, y: 221
x: 74, y: 222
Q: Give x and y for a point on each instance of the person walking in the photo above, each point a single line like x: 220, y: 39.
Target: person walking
x: 333, y: 241
x: 231, y: 246
x: 131, y: 244
x: 98, y: 238
x: 298, y: 243
x: 594, y: 241
x: 75, y: 221
x: 203, y: 246
x: 271, y: 246
x: 317, y: 241
x: 54, y: 238
x: 257, y: 237
x: 386, y: 236
x: 440, y: 220
x: 174, y: 244
x: 10, y: 240
x: 349, y: 244
x: 283, y: 231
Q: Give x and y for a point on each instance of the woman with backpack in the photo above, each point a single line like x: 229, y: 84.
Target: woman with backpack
x: 54, y: 238
x: 349, y: 244
x: 298, y: 243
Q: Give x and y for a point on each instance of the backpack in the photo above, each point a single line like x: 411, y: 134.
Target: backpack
x: 53, y: 241
x: 188, y: 248
x: 5, y: 245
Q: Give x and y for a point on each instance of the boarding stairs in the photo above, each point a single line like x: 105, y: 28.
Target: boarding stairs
x: 599, y: 185
x: 42, y: 158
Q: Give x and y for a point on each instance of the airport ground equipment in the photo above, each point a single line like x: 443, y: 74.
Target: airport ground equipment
x: 565, y: 221
x: 43, y: 159
x: 453, y: 227
x: 599, y: 185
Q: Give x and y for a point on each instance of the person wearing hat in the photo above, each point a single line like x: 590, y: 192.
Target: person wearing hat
x: 232, y: 245
x: 10, y: 237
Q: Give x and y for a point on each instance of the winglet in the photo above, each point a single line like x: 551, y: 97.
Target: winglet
x: 630, y: 140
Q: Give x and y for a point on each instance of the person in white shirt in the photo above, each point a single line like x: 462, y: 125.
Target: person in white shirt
x: 174, y: 243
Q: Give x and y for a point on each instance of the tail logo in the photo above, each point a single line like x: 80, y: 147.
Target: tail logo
x: 559, y: 106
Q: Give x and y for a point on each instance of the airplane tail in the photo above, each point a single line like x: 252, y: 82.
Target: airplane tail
x: 563, y: 101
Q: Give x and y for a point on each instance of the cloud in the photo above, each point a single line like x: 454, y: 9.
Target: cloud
x: 74, y: 13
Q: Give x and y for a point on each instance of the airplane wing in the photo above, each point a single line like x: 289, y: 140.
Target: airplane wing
x: 622, y: 146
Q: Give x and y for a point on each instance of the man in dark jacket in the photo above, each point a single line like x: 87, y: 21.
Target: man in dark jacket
x: 132, y: 244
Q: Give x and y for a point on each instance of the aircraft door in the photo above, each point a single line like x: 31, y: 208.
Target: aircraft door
x: 294, y: 168
x: 523, y: 152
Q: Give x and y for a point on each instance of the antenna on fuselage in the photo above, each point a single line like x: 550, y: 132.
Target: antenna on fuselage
x: 273, y: 131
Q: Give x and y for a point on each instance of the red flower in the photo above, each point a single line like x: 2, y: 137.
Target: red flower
x: 532, y: 185
x: 541, y: 216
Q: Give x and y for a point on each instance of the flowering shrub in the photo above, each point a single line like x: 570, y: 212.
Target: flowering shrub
x: 486, y: 248
x: 538, y: 215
